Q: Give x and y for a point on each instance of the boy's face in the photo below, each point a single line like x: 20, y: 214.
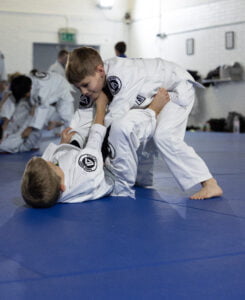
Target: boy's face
x: 91, y: 86
x: 58, y: 172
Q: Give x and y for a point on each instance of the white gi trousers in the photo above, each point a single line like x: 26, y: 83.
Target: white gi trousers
x: 134, y: 150
x: 168, y: 140
x: 127, y: 135
x: 185, y: 164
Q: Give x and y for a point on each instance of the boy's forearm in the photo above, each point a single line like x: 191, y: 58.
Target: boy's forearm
x: 101, y: 105
x: 159, y: 101
x: 100, y: 116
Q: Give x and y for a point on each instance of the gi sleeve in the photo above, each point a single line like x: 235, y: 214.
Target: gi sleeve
x: 81, y: 123
x: 40, y: 116
x: 125, y: 79
x: 8, y: 109
x: 96, y: 136
x: 49, y: 151
x: 65, y: 107
x: 182, y: 90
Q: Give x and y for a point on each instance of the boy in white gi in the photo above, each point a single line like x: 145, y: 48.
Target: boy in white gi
x: 60, y: 63
x: 36, y: 96
x: 131, y: 83
x: 69, y: 174
x: 3, y: 76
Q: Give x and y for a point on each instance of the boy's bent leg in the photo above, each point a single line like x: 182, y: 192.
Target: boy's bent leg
x: 12, y: 143
x: 146, y: 156
x: 125, y: 137
x: 185, y: 164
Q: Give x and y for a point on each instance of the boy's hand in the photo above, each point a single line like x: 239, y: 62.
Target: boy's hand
x: 66, y: 135
x: 26, y: 132
x: 159, y: 100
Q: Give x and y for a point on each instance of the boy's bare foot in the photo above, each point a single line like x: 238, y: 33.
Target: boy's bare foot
x: 54, y: 124
x: 210, y: 189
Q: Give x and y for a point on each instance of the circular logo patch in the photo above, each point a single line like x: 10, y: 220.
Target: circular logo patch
x: 88, y: 162
x: 85, y: 101
x: 114, y: 83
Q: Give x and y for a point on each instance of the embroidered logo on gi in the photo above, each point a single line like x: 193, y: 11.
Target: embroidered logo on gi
x: 85, y: 101
x: 140, y: 99
x: 111, y: 151
x: 40, y: 75
x: 114, y: 84
x: 88, y: 162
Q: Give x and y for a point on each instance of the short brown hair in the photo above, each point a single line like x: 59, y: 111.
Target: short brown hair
x: 121, y: 47
x: 82, y: 62
x: 40, y: 185
x: 62, y: 53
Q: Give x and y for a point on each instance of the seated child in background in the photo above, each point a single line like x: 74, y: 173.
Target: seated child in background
x: 7, y: 105
x: 131, y: 83
x: 35, y: 97
x: 69, y: 174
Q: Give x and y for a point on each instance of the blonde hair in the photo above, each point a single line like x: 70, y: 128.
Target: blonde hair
x: 82, y: 62
x: 13, y: 75
x: 40, y: 185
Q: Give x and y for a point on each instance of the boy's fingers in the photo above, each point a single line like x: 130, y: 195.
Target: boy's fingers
x: 67, y: 130
x: 72, y: 133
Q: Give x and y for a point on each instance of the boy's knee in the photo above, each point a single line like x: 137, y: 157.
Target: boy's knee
x: 161, y: 136
x: 166, y: 141
x: 121, y: 127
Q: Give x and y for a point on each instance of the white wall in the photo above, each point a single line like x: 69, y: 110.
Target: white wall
x: 29, y: 21
x: 206, y: 21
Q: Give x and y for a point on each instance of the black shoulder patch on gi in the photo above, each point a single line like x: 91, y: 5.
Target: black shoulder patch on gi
x: 108, y: 93
x: 88, y: 162
x: 114, y: 83
x: 85, y: 101
x: 111, y: 151
x: 36, y: 100
x: 40, y: 75
x: 140, y: 99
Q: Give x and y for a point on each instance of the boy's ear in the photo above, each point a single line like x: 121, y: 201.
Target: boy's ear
x: 100, y: 69
x: 62, y: 187
x: 28, y: 94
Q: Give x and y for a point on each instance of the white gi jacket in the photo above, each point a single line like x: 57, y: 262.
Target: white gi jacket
x: 12, y: 141
x: 57, y: 68
x: 85, y: 177
x: 133, y: 83
x: 3, y: 75
x: 48, y: 89
x: 8, y: 108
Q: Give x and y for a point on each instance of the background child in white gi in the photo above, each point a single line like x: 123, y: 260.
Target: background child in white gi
x: 66, y: 173
x: 35, y: 96
x: 3, y: 75
x: 131, y: 83
x: 59, y: 65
